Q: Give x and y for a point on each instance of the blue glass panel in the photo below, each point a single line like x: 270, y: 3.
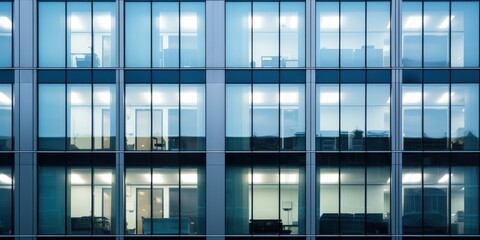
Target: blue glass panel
x: 238, y: 34
x: 51, y: 116
x: 51, y: 34
x: 137, y: 34
x: 6, y: 27
x: 352, y: 34
x: 412, y: 34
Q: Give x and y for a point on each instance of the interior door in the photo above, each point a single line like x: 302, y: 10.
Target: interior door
x: 142, y: 129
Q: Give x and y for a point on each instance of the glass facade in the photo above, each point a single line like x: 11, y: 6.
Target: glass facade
x: 6, y: 194
x: 6, y: 113
x: 164, y: 34
x: 6, y: 36
x: 165, y: 194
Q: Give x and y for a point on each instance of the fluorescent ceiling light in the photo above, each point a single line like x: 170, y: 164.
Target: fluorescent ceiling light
x: 388, y: 25
x: 189, y: 178
x: 158, y: 200
x: 5, y: 23
x: 158, y: 179
x: 329, y: 178
x: 103, y: 98
x: 189, y: 22
x: 106, y: 178
x: 289, y: 97
x: 412, y: 178
x: 4, y: 99
x: 414, y: 22
x: 329, y: 97
x: 76, y: 99
x: 462, y: 189
x: 5, y: 179
x: 189, y: 98
x: 291, y: 178
x: 443, y: 179
x: 102, y: 23
x: 76, y: 179
x: 330, y: 22
x: 257, y: 22
x: 289, y: 22
x: 412, y: 97
x: 388, y: 181
x: 257, y: 178
x: 444, y: 98
x: 446, y: 23
x: 76, y: 23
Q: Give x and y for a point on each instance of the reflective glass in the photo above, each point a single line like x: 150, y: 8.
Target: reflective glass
x: 292, y: 34
x: 265, y: 26
x: 137, y: 34
x: 436, y: 34
x: 165, y: 207
x: 103, y: 200
x: 192, y: 34
x: 238, y: 116
x: 352, y: 110
x: 328, y: 178
x: 238, y: 178
x: 79, y: 116
x: 51, y: 116
x: 292, y: 116
x: 265, y: 192
x: 79, y: 200
x: 464, y: 116
x: 436, y: 180
x: 51, y: 200
x: 378, y: 34
x: 192, y: 200
x: 6, y: 103
x: 352, y: 195
x: 138, y: 200
x: 378, y: 116
x: 328, y: 117
x: 292, y: 198
x: 265, y: 116
x: 138, y: 116
x: 6, y: 200
x: 378, y: 194
x: 412, y: 116
x: 412, y: 34
x: 192, y: 116
x: 352, y: 34
x: 104, y: 34
x: 165, y: 38
x: 464, y: 30
x: 165, y: 125
x: 79, y: 34
x: 6, y: 27
x: 412, y: 199
x: 436, y: 116
x: 51, y: 34
x: 238, y: 34
x: 328, y: 34
x: 104, y: 116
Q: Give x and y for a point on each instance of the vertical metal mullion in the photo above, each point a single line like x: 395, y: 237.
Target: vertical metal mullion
x: 423, y: 190
x: 180, y: 113
x: 151, y: 113
x: 92, y: 116
x: 66, y: 197
x: 279, y: 35
x: 92, y: 199
x: 180, y: 157
x: 151, y: 61
x: 279, y: 191
x: 365, y: 166
x: 279, y: 147
x: 423, y: 38
x: 92, y: 36
x: 340, y: 142
x: 365, y: 114
x: 339, y: 36
x: 423, y: 112
x: 251, y: 40
x: 449, y: 192
x: 365, y: 41
x: 449, y: 131
x: 151, y: 196
x: 180, y: 45
x: 340, y: 157
x: 66, y: 38
x: 449, y: 34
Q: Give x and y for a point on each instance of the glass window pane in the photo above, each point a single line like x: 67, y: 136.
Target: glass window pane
x: 138, y: 116
x: 435, y: 198
x: 103, y: 203
x: 165, y: 117
x: 79, y: 34
x: 328, y: 34
x: 51, y: 34
x: 6, y: 102
x: 436, y: 116
x: 464, y: 17
x: 378, y: 194
x: 352, y: 34
x: 329, y: 191
x: 412, y: 34
x: 165, y: 200
x: 238, y: 178
x: 378, y: 34
x: 192, y: 32
x: 192, y: 116
x: 292, y: 197
x: 192, y: 200
x: 137, y: 34
x: 79, y: 116
x: 104, y: 116
x: 138, y: 201
x: 265, y: 116
x: 464, y: 116
x: 6, y: 34
x: 352, y: 195
x: 436, y: 34
x: 6, y: 200
x: 79, y: 200
x: 352, y: 99
x: 51, y: 116
x: 238, y: 116
x: 104, y: 34
x: 412, y: 116
x: 378, y: 116
x: 265, y: 25
x: 265, y: 190
x: 166, y: 27
x: 238, y: 34
x: 51, y: 200
x: 292, y: 116
x: 412, y: 199
x: 328, y: 117
x: 292, y: 34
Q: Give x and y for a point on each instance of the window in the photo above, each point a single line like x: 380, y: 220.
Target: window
x: 76, y: 110
x: 6, y: 106
x: 6, y: 193
x: 77, y: 34
x: 448, y: 35
x: 265, y: 34
x: 353, y: 193
x: 442, y: 113
x: 265, y: 110
x: 76, y: 194
x: 353, y: 110
x: 164, y: 33
x: 165, y: 194
x: 265, y: 189
x: 165, y: 110
x: 440, y: 193
x: 6, y: 30
x: 353, y: 34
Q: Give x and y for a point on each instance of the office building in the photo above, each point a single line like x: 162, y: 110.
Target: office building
x: 238, y: 119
